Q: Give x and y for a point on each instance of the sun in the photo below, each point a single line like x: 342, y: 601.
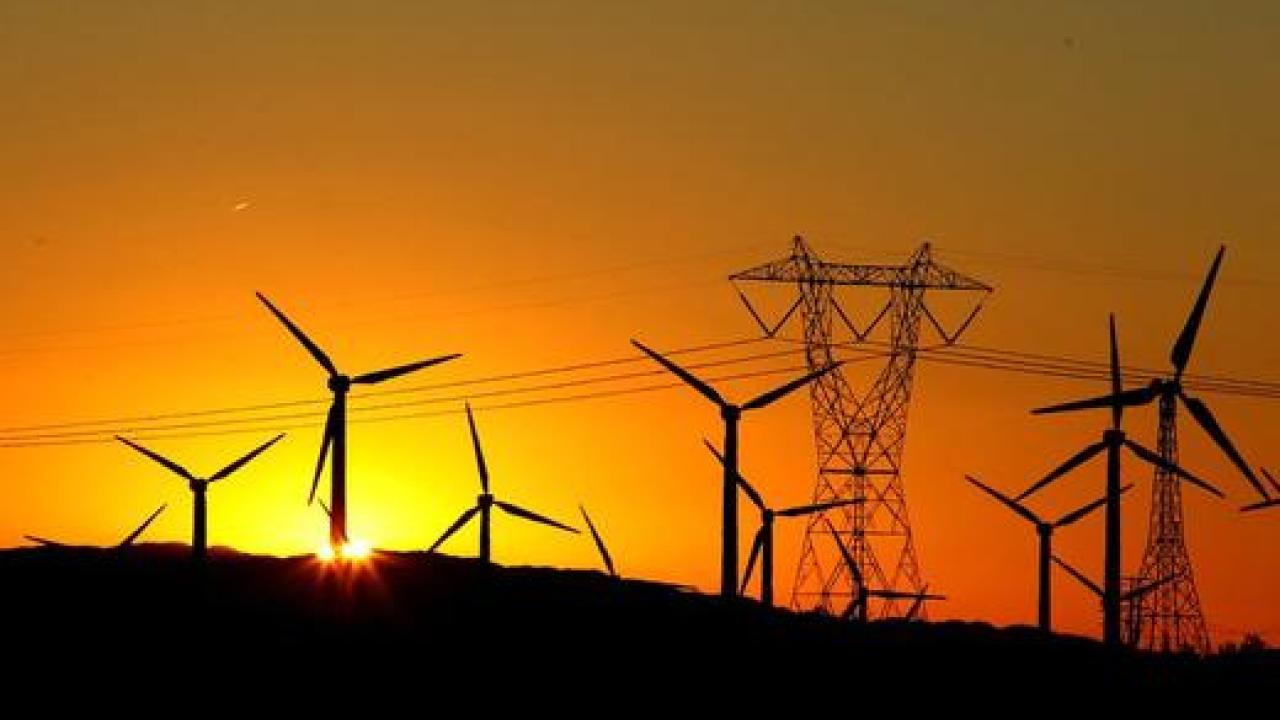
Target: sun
x: 352, y: 550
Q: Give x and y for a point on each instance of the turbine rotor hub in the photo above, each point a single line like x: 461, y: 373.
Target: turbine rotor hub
x: 339, y: 383
x: 484, y: 500
x: 1114, y: 436
x: 197, y: 485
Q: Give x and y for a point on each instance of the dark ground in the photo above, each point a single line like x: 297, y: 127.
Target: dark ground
x: 413, y: 626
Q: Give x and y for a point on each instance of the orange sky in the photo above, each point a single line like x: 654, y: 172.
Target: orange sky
x: 533, y: 187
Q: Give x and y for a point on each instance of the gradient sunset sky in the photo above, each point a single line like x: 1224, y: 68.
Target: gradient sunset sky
x: 532, y: 184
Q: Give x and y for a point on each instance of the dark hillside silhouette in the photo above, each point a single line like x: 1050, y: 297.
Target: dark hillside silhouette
x: 404, y: 622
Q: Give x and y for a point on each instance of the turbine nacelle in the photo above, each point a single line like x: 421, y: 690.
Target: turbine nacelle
x: 339, y: 383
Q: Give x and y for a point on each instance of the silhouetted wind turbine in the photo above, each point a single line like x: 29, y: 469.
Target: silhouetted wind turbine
x: 595, y: 535
x: 762, y: 546
x: 1113, y: 440
x: 486, y: 502
x: 857, y: 608
x: 1044, y: 529
x: 124, y: 544
x: 732, y: 414
x: 1269, y: 501
x: 199, y: 486
x: 1136, y: 593
x: 335, y: 427
x: 1169, y: 390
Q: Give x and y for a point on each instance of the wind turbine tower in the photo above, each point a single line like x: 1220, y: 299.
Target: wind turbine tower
x: 860, y: 436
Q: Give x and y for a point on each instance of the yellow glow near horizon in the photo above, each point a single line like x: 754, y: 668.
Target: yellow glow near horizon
x: 357, y: 549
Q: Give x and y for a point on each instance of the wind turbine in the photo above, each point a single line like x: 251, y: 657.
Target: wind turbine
x: 1268, y: 502
x: 1045, y: 530
x: 857, y: 608
x: 199, y: 487
x: 762, y: 546
x: 335, y: 426
x: 123, y: 545
x: 486, y: 502
x: 595, y: 535
x: 1169, y: 390
x: 732, y: 414
x: 1113, y: 441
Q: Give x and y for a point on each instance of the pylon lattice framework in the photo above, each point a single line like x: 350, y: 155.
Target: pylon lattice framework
x: 1169, y: 618
x: 860, y: 438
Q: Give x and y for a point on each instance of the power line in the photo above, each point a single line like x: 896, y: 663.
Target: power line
x: 974, y: 357
x: 357, y: 409
x: 426, y: 414
x: 280, y: 405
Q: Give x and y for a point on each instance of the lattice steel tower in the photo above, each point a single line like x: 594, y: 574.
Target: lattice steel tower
x: 1169, y: 618
x: 860, y: 437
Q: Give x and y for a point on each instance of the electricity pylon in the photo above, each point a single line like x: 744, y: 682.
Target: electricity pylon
x: 860, y: 436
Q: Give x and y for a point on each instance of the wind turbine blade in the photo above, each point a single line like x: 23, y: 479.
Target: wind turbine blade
x: 300, y: 336
x: 1117, y: 384
x: 43, y: 541
x: 742, y: 482
x: 751, y: 561
x: 851, y: 609
x: 141, y: 528
x: 1078, y: 576
x: 1005, y: 500
x: 329, y: 514
x: 531, y: 515
x: 1079, y: 513
x: 595, y: 535
x: 1144, y: 590
x: 1270, y: 479
x: 481, y: 467
x: 1273, y: 502
x: 1127, y: 398
x: 378, y: 376
x: 1072, y: 463
x: 848, y: 558
x: 457, y: 525
x: 1187, y: 339
x: 171, y: 465
x: 1160, y: 462
x: 1206, y: 420
x: 818, y: 507
x: 707, y: 391
x: 916, y: 605
x: 782, y: 391
x: 240, y: 463
x: 330, y: 429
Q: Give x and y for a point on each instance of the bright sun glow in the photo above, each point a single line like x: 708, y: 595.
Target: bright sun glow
x: 354, y: 550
